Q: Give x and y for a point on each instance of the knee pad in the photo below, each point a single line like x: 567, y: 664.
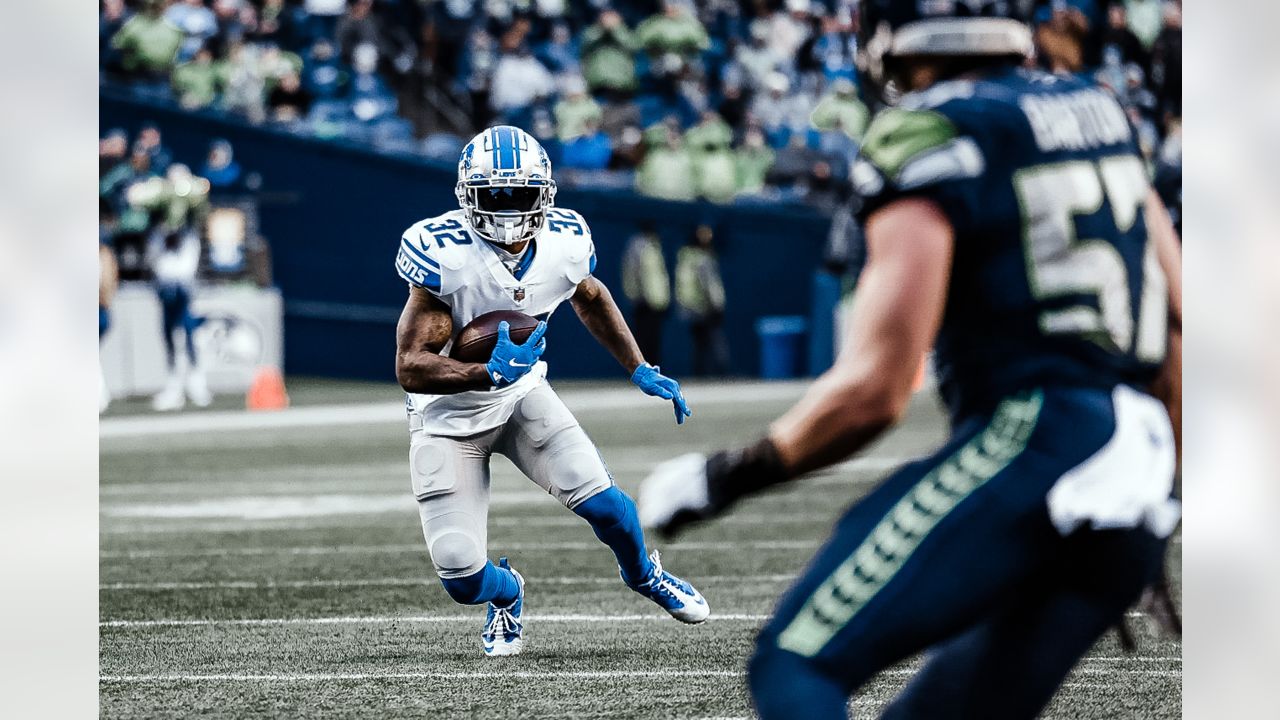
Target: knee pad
x: 578, y: 475
x: 542, y: 416
x: 456, y: 553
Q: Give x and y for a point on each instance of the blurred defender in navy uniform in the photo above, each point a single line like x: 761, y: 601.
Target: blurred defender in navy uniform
x: 1010, y: 224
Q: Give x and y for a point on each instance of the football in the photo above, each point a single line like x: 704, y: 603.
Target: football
x: 476, y: 341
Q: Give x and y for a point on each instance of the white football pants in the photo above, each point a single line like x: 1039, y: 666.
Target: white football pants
x: 451, y: 475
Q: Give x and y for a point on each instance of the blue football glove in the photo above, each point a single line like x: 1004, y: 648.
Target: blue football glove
x: 650, y: 380
x: 509, y: 362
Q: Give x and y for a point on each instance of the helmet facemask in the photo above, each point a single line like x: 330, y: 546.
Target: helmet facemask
x: 506, y: 214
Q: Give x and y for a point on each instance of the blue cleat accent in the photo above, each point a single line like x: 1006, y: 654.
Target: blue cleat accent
x: 503, y: 633
x: 674, y: 595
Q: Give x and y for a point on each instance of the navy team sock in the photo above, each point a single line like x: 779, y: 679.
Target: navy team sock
x: 491, y: 584
x: 613, y: 518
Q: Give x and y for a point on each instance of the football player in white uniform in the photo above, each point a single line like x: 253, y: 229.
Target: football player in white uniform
x: 510, y: 248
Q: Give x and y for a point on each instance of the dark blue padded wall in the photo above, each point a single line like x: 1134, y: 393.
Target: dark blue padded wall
x: 333, y: 215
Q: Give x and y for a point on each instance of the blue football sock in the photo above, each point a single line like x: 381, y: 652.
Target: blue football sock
x: 491, y: 584
x: 613, y: 518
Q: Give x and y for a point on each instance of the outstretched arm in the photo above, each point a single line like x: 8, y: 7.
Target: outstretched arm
x: 895, y: 319
x: 596, y: 309
x: 899, y: 307
x: 424, y: 328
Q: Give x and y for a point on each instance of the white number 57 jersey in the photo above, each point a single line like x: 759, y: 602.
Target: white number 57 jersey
x: 445, y: 256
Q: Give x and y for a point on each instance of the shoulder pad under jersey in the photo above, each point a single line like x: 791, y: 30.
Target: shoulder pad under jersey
x: 570, y: 232
x: 434, y: 250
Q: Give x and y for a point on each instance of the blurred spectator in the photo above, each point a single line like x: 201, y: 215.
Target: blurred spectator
x: 757, y: 58
x: 841, y: 110
x: 789, y: 28
x: 322, y: 16
x: 1166, y: 62
x: 288, y: 100
x: 362, y: 25
x: 197, y: 24
x: 148, y: 43
x: 733, y: 105
x: 836, y: 50
x: 713, y: 161
x: 628, y: 151
x: 1060, y: 32
x: 752, y: 162
x: 591, y: 149
x: 777, y: 110
x: 607, y: 62
x: 358, y: 27
x: 150, y: 142
x: 518, y: 78
x: 647, y: 286
x: 674, y: 31
x: 793, y: 163
x: 574, y: 110
x: 112, y: 149
x: 243, y: 87
x: 370, y: 97
x: 196, y: 83
x: 1119, y: 44
x: 174, y: 257
x: 323, y: 72
x: 1145, y: 19
x: 220, y: 167
x: 560, y: 52
x: 236, y: 20
x: 667, y: 169
x: 700, y: 295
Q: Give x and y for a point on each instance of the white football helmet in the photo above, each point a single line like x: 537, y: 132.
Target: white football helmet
x: 505, y: 185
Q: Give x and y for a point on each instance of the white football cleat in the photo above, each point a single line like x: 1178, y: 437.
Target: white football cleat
x: 198, y: 388
x: 674, y: 595
x: 503, y: 633
x: 171, y: 397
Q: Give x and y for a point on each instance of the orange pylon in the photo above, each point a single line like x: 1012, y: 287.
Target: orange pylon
x: 267, y: 390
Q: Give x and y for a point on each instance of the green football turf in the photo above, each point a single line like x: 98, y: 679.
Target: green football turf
x: 313, y: 531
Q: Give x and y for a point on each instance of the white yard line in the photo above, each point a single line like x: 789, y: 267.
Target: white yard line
x: 531, y: 675
x: 415, y: 619
x: 495, y: 674
x: 407, y: 582
x: 578, y: 400
x: 558, y: 519
x: 421, y: 548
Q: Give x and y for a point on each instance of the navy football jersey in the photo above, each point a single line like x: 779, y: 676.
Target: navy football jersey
x: 1053, y: 280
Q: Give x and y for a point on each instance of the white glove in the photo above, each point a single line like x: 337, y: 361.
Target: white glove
x: 675, y: 493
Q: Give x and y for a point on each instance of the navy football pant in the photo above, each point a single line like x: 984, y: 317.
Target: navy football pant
x: 956, y: 554
x: 175, y: 311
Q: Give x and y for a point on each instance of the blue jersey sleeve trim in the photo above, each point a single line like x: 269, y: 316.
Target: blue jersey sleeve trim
x: 592, y: 267
x: 420, y: 255
x: 416, y: 273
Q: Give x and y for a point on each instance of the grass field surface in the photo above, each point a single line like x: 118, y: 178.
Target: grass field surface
x: 273, y: 566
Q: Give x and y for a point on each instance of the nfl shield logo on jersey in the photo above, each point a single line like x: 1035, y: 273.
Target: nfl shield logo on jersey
x: 518, y: 294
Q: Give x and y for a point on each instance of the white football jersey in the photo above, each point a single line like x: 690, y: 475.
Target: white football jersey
x: 445, y: 256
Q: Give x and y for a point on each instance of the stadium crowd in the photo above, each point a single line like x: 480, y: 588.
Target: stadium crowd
x: 713, y: 99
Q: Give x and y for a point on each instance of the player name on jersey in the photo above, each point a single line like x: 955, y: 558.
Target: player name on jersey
x: 1076, y: 121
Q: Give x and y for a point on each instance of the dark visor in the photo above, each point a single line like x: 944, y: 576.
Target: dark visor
x: 517, y: 199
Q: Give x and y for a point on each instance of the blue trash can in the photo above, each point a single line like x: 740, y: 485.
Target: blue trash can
x: 782, y: 342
